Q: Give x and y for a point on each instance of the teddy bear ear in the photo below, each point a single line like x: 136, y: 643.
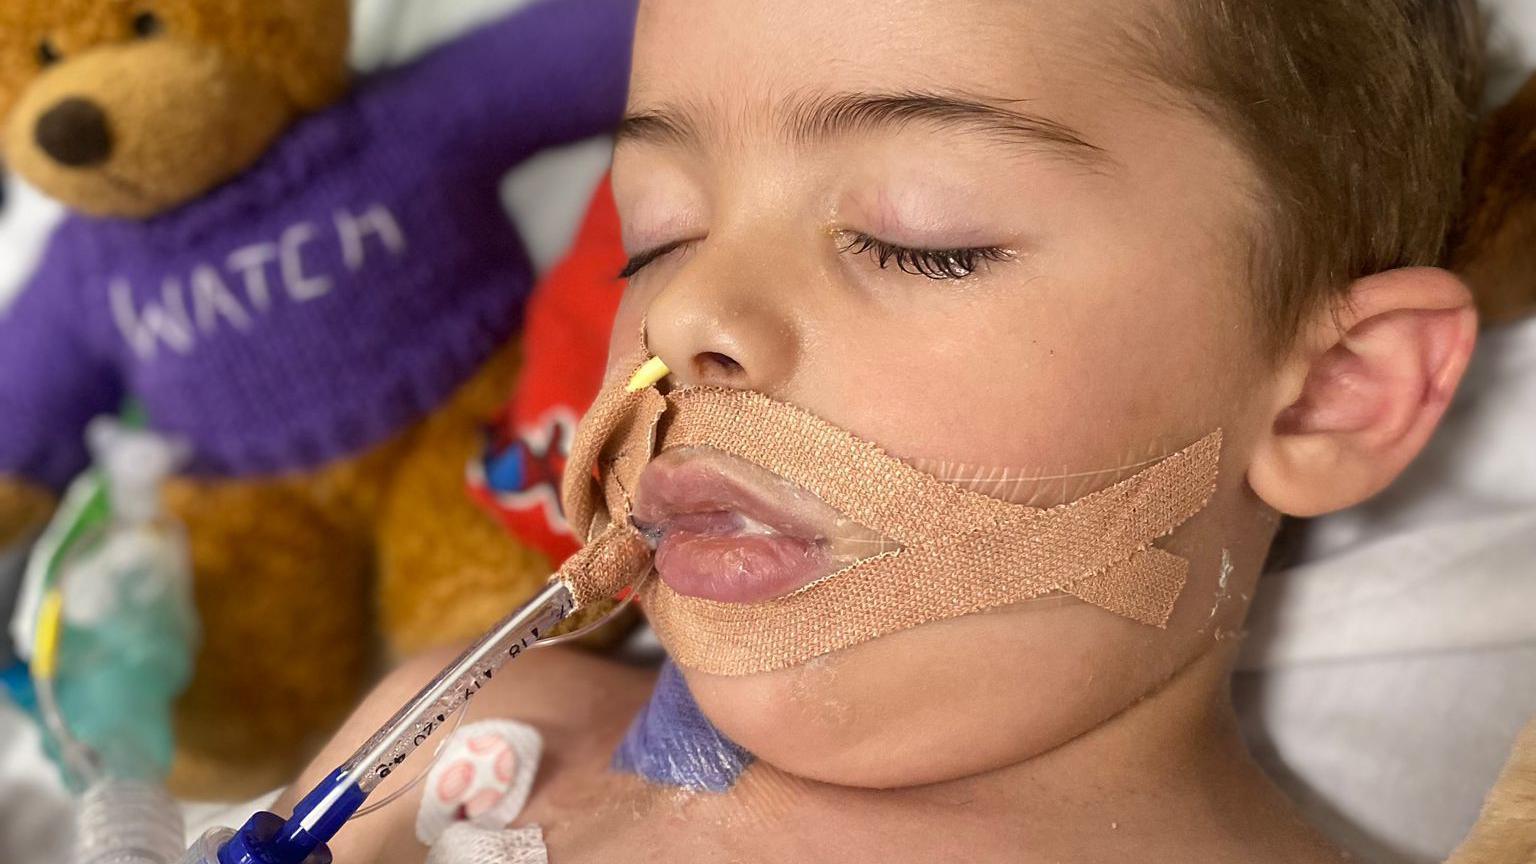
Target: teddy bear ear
x: 302, y: 45
x: 319, y: 38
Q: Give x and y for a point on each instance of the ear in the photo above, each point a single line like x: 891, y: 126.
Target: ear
x: 1364, y: 390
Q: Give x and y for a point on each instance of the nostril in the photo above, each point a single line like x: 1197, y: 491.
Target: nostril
x: 716, y: 367
x: 75, y: 133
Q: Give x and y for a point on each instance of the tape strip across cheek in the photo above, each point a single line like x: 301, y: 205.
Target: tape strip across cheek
x: 959, y: 552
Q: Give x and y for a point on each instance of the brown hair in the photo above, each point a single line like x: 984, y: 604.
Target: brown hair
x: 1357, y: 114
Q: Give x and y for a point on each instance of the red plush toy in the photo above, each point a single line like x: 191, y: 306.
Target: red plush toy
x: 568, y: 320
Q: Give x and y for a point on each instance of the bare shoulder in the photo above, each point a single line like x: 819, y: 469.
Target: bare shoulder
x: 571, y: 697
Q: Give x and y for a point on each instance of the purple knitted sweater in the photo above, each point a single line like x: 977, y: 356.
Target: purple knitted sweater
x: 337, y: 291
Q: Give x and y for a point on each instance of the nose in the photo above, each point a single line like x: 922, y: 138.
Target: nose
x: 716, y: 331
x: 75, y: 133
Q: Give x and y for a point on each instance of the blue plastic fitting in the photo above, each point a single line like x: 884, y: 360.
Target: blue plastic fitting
x: 267, y: 839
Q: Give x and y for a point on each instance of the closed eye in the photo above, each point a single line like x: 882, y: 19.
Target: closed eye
x: 936, y: 264
x: 649, y: 257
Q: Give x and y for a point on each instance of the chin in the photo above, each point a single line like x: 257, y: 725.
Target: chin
x: 862, y: 717
x: 936, y: 703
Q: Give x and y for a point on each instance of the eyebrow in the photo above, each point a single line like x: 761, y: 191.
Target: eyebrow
x: 805, y: 121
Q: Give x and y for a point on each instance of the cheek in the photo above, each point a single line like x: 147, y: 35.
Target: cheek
x: 1063, y: 388
x: 1086, y: 354
x: 627, y: 334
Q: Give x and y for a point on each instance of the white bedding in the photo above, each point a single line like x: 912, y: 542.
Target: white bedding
x: 1386, y: 720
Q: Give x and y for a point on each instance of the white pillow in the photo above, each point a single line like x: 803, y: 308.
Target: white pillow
x: 1512, y: 42
x: 26, y: 222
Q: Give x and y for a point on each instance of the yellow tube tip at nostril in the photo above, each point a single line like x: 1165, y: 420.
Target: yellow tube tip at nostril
x: 650, y: 372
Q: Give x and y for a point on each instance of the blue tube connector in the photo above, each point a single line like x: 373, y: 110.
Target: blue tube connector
x: 267, y: 839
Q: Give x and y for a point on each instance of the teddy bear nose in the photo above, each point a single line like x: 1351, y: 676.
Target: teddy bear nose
x: 75, y: 133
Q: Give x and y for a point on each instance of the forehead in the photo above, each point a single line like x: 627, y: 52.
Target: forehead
x: 744, y: 70
x: 1036, y: 49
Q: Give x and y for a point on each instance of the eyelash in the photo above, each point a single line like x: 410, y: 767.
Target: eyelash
x: 645, y: 259
x: 935, y: 264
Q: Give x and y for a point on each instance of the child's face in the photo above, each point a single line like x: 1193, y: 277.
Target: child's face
x: 1106, y: 320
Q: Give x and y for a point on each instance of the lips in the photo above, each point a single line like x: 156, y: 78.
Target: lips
x: 728, y: 531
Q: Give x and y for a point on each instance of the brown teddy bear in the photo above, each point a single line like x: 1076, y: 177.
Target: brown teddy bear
x: 1505, y: 832
x: 1496, y: 247
x: 310, y: 280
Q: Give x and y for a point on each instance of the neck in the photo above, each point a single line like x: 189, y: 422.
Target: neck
x: 1184, y: 730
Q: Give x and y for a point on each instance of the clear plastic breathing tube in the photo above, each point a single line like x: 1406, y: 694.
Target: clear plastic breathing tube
x: 418, y: 720
x: 118, y: 821
x: 269, y: 839
x: 458, y: 715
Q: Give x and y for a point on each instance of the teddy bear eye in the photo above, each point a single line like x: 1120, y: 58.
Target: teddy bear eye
x: 147, y: 24
x: 48, y: 53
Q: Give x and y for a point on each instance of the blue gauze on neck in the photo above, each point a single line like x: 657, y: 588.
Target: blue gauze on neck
x: 672, y: 743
